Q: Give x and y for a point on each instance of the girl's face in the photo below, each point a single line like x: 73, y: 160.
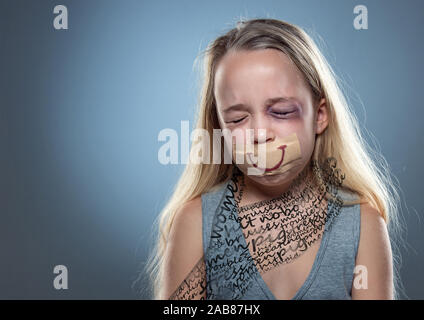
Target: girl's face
x: 263, y: 89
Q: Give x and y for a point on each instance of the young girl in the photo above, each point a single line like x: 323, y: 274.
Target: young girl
x: 312, y: 222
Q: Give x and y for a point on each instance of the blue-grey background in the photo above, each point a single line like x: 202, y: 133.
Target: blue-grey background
x: 81, y: 109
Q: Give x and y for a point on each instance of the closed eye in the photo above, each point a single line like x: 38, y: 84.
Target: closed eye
x: 237, y: 121
x: 283, y: 114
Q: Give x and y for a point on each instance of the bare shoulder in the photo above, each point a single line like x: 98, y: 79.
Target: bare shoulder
x: 372, y: 223
x: 184, y: 247
x: 188, y: 216
x: 374, y: 236
x: 374, y: 255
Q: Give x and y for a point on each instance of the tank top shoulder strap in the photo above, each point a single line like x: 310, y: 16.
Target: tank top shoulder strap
x: 210, y: 203
x: 339, y: 259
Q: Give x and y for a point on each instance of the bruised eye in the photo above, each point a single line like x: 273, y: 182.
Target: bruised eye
x: 283, y: 114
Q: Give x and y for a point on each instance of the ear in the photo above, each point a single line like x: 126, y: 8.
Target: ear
x: 322, y: 116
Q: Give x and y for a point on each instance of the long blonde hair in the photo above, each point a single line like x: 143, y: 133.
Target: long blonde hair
x: 366, y: 171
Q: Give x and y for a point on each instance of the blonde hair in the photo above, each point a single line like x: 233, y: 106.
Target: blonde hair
x: 369, y: 178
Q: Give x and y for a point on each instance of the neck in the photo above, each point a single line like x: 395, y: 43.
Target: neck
x: 255, y: 192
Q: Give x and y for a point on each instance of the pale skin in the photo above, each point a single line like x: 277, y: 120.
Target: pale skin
x: 251, y: 79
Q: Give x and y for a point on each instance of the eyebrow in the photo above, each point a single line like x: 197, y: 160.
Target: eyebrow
x: 271, y: 101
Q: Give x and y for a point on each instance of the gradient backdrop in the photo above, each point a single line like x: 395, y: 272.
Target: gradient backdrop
x: 81, y: 109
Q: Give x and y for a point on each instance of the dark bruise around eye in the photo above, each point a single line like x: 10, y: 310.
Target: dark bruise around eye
x: 284, y: 113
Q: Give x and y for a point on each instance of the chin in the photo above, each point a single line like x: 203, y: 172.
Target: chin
x: 273, y: 179
x: 278, y: 178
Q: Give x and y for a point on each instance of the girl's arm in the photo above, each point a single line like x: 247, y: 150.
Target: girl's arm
x: 374, y: 277
x: 184, y: 276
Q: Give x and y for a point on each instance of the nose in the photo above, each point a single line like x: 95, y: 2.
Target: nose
x: 263, y: 136
x: 263, y: 132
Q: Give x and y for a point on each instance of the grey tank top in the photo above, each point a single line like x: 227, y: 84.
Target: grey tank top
x: 232, y: 275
